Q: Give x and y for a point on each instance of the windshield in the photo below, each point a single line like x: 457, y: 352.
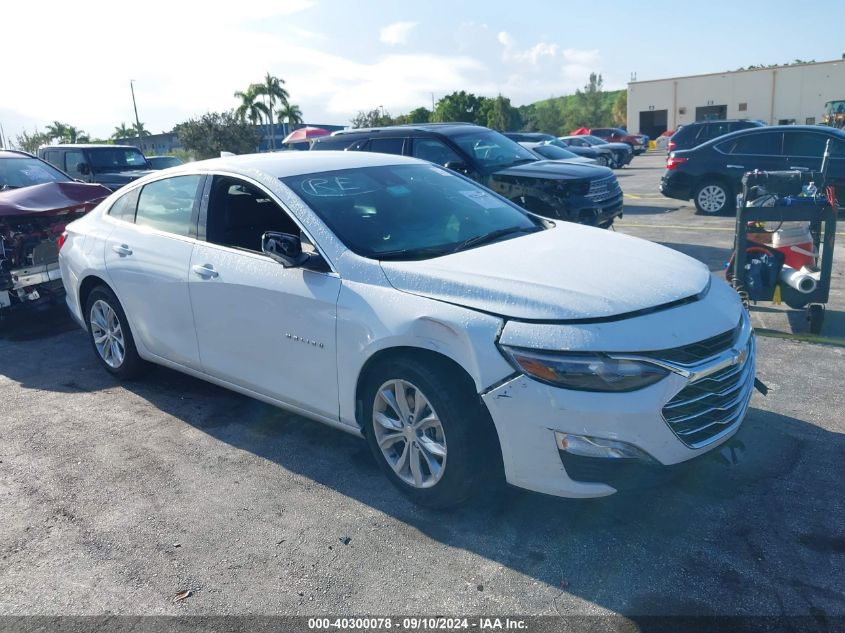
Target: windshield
x: 491, y: 150
x: 25, y: 171
x: 163, y: 162
x: 118, y: 158
x: 409, y: 211
x: 553, y: 152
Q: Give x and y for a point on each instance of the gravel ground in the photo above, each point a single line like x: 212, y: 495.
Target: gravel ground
x: 114, y: 497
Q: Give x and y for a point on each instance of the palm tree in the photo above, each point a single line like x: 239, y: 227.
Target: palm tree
x: 57, y: 131
x: 75, y: 135
x: 121, y: 131
x: 250, y: 109
x: 292, y: 113
x: 273, y: 92
x: 138, y: 130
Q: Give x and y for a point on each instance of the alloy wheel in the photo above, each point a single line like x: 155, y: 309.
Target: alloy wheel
x: 712, y: 198
x: 409, y: 433
x: 107, y: 334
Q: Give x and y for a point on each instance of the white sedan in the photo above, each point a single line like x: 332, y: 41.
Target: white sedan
x: 463, y: 337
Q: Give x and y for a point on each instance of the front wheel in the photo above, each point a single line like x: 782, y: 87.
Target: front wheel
x: 425, y: 432
x: 713, y: 198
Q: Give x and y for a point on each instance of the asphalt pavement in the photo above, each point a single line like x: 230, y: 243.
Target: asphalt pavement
x: 116, y: 497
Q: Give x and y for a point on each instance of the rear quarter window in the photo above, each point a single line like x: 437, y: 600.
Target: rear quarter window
x: 124, y: 207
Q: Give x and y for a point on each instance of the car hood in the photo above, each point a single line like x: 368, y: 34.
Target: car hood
x: 123, y: 176
x: 51, y: 198
x: 570, y: 272
x: 552, y: 170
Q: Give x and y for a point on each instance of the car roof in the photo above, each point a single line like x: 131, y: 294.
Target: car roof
x: 766, y: 129
x: 440, y: 128
x: 86, y: 146
x: 296, y: 163
x: 15, y: 153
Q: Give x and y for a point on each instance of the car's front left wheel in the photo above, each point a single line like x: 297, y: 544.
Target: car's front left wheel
x: 425, y: 428
x: 110, y: 336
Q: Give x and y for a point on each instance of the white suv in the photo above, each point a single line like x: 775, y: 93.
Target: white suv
x: 462, y: 336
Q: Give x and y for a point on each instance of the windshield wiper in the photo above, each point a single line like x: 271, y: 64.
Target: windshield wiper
x: 494, y: 235
x: 412, y: 253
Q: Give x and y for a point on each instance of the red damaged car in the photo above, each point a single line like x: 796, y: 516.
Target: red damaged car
x: 36, y: 202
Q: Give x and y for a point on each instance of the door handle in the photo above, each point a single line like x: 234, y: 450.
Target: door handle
x: 799, y: 168
x: 206, y: 271
x: 121, y: 249
x: 735, y: 166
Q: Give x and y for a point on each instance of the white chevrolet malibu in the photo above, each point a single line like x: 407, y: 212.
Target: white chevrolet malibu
x: 463, y: 337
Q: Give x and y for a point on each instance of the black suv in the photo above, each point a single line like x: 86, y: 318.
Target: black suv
x: 711, y: 174
x: 694, y: 134
x: 579, y: 193
x: 109, y: 165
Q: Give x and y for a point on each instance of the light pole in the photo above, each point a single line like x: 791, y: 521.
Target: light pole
x: 134, y: 105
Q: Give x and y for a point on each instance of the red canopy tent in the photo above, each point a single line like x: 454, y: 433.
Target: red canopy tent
x: 580, y: 131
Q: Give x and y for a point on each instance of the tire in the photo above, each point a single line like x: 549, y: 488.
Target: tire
x: 116, y: 353
x: 602, y: 161
x: 714, y: 197
x: 437, y: 461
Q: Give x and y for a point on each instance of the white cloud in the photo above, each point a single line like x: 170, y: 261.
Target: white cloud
x: 531, y: 56
x: 396, y: 33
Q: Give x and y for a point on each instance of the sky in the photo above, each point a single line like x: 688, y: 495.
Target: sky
x: 73, y: 61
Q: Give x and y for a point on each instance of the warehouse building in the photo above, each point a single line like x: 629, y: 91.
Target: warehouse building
x: 777, y: 95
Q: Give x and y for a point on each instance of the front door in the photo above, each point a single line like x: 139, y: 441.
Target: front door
x: 259, y: 325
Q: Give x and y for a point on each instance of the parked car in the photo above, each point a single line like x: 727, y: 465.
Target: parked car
x: 622, y: 152
x: 602, y: 157
x: 163, y: 162
x: 578, y: 193
x: 711, y: 174
x: 638, y: 142
x: 547, y: 151
x: 662, y: 141
x: 400, y: 301
x: 36, y: 202
x: 692, y: 134
x: 109, y: 165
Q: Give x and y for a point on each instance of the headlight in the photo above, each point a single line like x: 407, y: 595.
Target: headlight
x: 584, y: 372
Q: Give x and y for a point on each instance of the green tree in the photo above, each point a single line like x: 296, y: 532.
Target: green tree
x: 65, y: 133
x: 31, y: 142
x: 417, y: 115
x: 499, y: 114
x: 138, y: 130
x: 251, y: 108
x: 291, y: 113
x: 216, y: 132
x: 371, y: 118
x: 121, y: 131
x: 619, y: 111
x: 458, y: 106
x: 592, y: 108
x: 548, y: 117
x: 273, y: 92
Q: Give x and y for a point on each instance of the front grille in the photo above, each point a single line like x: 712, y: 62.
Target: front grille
x: 712, y: 405
x: 700, y: 351
x: 602, y: 189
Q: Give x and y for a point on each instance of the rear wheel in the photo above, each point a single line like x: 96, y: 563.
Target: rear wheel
x: 110, y: 336
x: 426, y: 432
x: 714, y: 198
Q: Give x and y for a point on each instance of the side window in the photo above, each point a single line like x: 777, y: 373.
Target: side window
x: 72, y: 160
x: 717, y: 129
x: 433, y: 150
x: 168, y: 205
x: 837, y: 148
x: 803, y: 144
x: 52, y: 157
x: 386, y: 145
x: 240, y: 213
x: 765, y: 144
x: 124, y: 207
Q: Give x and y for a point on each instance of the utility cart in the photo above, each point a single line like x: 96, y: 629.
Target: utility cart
x: 760, y: 268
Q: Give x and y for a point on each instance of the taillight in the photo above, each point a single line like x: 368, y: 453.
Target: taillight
x: 671, y: 145
x: 674, y: 161
x: 62, y: 239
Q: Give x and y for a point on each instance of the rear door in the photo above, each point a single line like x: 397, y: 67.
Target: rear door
x: 761, y: 150
x: 148, y: 255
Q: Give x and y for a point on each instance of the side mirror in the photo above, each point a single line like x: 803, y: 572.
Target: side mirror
x: 83, y: 168
x: 284, y: 248
x: 458, y: 166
